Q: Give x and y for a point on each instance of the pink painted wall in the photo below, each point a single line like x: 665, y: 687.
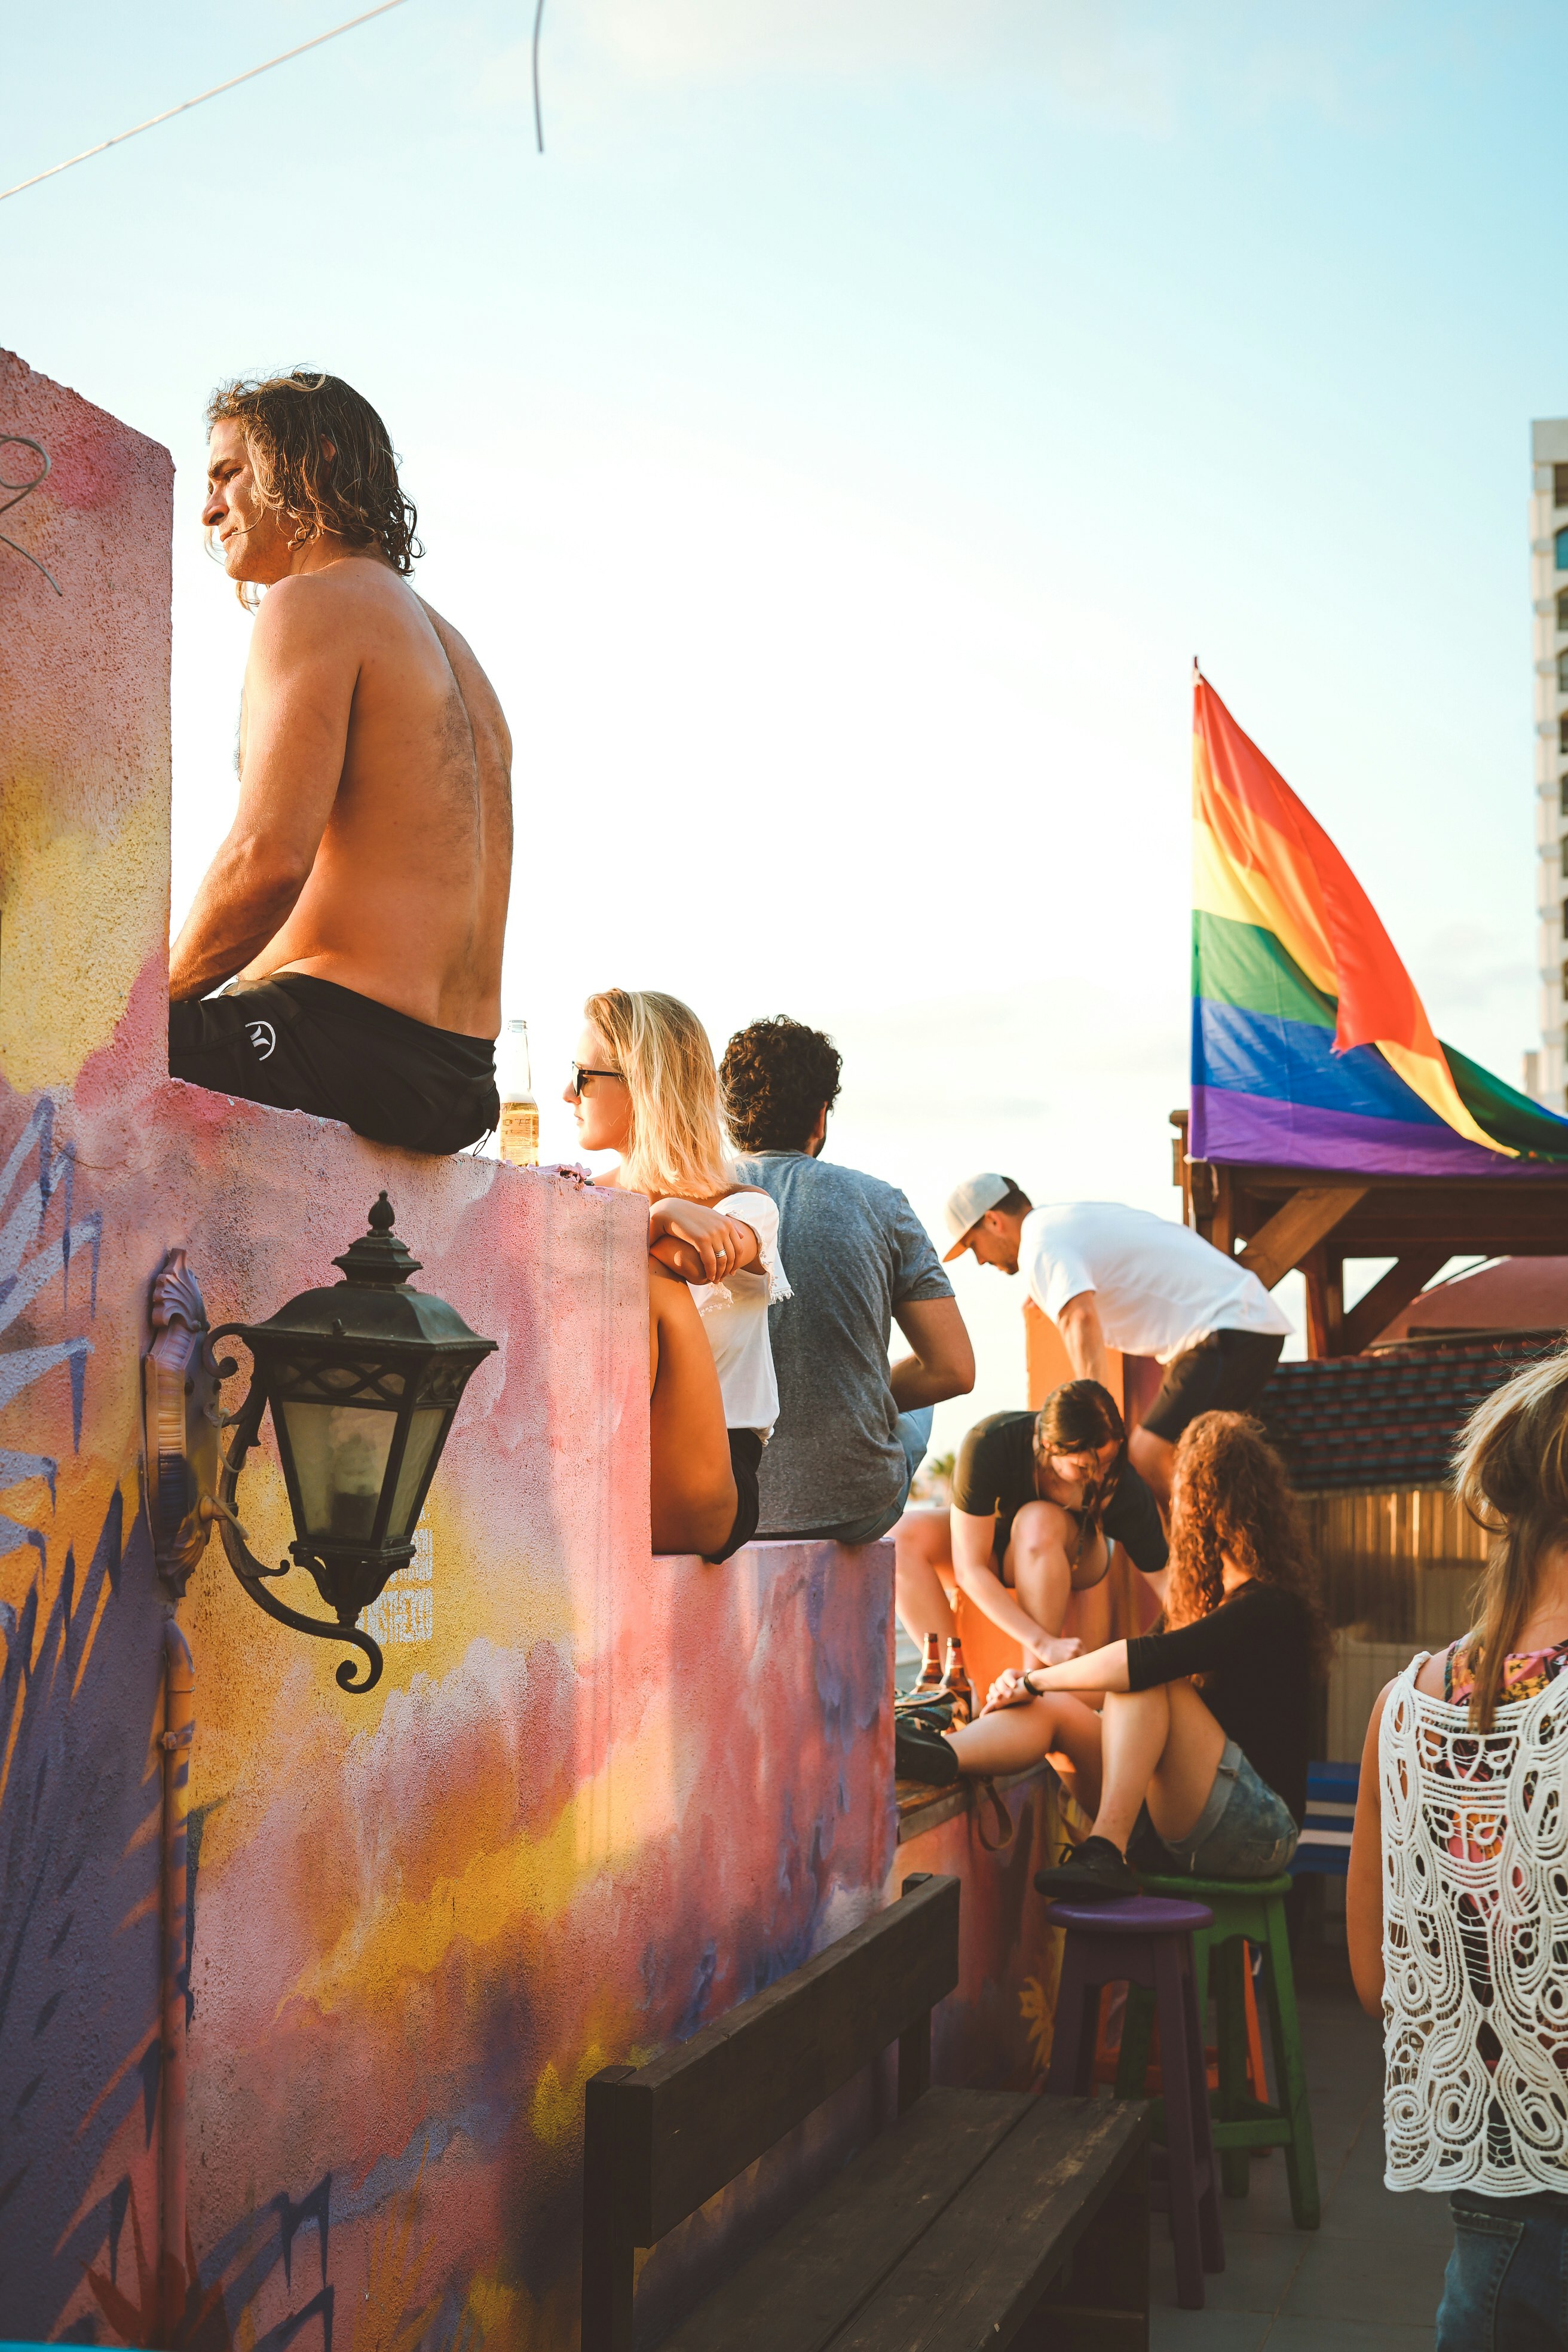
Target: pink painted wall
x: 598, y: 1796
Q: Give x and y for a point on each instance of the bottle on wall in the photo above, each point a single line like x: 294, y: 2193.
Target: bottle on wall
x: 519, y: 1111
x: 955, y: 1681
x: 931, y: 1668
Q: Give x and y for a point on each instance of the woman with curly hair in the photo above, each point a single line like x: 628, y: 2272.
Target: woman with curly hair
x: 1196, y: 1758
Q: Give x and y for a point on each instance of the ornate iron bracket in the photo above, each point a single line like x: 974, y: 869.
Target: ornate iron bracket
x: 246, y: 1426
x: 20, y: 490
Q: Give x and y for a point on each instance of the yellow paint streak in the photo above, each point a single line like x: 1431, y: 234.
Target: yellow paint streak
x: 530, y: 1880
x: 73, y: 945
x: 556, y: 2112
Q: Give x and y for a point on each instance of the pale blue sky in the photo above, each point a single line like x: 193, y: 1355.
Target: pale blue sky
x: 838, y: 446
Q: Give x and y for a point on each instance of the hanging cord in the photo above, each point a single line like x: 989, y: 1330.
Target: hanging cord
x: 168, y: 115
x: 538, y: 114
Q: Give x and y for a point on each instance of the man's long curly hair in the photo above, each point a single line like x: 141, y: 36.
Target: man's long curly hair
x: 289, y: 422
x: 776, y: 1076
x: 1230, y: 1495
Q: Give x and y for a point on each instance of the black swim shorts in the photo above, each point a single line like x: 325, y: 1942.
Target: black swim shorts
x: 1224, y: 1373
x: 303, y: 1043
x: 745, y: 1460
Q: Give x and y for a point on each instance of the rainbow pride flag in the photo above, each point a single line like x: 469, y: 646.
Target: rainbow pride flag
x: 1311, y: 1046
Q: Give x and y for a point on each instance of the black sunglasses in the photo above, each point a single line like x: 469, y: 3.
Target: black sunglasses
x: 579, y: 1074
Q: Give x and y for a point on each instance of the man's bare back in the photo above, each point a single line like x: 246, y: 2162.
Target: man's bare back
x: 372, y: 848
x: 407, y: 896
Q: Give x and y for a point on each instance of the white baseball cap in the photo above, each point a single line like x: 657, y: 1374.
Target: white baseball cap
x: 966, y: 1205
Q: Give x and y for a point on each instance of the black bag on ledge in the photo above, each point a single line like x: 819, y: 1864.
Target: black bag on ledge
x: 920, y: 1751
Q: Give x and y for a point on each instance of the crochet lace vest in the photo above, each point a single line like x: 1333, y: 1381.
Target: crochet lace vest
x: 1475, y: 1942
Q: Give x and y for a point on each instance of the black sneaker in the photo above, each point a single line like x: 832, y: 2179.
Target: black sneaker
x: 1095, y: 1871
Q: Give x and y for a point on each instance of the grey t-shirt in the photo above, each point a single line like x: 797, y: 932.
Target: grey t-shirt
x: 854, y: 1250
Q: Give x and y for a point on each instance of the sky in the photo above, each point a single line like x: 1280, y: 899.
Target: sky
x: 838, y: 446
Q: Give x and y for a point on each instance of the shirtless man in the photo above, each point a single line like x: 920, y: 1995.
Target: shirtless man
x: 358, y: 904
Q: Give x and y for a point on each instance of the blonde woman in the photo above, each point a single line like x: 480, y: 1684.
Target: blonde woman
x: 1457, y: 1903
x: 645, y: 1084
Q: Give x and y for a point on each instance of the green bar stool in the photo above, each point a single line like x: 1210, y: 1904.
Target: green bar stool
x: 1246, y: 1911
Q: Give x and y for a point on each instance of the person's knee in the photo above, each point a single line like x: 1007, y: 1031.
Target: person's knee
x: 1039, y: 1532
x: 923, y: 1534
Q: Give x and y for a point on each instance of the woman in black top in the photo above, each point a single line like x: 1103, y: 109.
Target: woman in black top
x: 1038, y: 1499
x: 1213, y: 1783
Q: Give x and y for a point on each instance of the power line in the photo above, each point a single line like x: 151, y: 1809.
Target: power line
x: 153, y: 121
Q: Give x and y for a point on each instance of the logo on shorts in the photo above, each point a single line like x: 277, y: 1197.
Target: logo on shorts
x: 264, y: 1037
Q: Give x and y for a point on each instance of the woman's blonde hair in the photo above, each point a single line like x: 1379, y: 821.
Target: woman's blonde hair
x: 661, y: 1050
x: 1510, y: 1472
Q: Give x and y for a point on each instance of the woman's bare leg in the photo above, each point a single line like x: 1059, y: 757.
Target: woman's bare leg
x: 692, y: 1485
x: 1058, y: 1728
x: 1037, y: 1566
x: 1162, y: 1746
x: 923, y: 1572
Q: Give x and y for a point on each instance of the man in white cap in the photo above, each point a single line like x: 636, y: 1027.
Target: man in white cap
x: 1111, y: 1276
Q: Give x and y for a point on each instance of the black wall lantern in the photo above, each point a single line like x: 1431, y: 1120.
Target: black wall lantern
x: 363, y: 1380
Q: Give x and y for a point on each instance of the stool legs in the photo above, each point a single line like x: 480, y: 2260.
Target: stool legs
x: 1290, y: 2074
x: 1230, y: 1971
x: 1076, y: 2027
x: 1195, y: 2234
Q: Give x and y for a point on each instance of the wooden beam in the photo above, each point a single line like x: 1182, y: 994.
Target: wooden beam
x: 1297, y: 1228
x: 1324, y: 1272
x: 1389, y: 1296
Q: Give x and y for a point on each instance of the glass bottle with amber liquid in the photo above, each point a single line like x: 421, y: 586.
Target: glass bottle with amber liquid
x: 519, y: 1111
x: 955, y: 1683
x: 931, y: 1668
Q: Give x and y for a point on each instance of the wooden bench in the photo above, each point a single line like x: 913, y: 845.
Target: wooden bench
x: 981, y: 2218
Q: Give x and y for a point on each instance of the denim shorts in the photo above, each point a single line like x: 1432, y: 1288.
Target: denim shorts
x: 1245, y: 1831
x: 1507, y: 2280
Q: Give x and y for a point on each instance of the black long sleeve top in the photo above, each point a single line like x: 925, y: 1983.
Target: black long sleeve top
x: 1255, y: 1658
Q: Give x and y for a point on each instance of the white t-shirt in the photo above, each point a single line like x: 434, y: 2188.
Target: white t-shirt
x: 1158, y: 1287
x: 735, y: 1317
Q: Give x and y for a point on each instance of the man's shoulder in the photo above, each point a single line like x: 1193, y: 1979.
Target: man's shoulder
x: 341, y: 601
x: 825, y: 1179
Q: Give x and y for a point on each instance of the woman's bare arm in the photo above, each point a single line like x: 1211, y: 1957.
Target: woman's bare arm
x: 701, y: 1243
x: 1363, y: 1882
x: 1096, y: 1670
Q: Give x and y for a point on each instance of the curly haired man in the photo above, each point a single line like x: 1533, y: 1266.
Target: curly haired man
x: 852, y: 1429
x: 356, y: 907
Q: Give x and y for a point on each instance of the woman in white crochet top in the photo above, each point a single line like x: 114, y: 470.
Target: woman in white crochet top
x: 645, y: 1084
x: 1457, y: 1895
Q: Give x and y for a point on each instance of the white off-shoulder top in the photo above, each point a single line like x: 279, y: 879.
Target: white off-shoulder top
x: 735, y: 1317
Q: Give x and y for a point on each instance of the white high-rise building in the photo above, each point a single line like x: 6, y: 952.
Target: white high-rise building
x: 1548, y: 590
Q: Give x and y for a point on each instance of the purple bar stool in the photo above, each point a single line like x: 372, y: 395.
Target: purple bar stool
x: 1145, y: 1939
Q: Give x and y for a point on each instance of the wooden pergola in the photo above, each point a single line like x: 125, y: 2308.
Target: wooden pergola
x: 1277, y: 1219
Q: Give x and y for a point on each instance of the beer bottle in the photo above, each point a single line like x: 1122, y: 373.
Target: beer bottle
x: 955, y: 1681
x: 519, y: 1111
x: 930, y: 1669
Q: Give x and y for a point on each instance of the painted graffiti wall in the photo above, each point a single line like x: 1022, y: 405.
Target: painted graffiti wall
x: 597, y: 1797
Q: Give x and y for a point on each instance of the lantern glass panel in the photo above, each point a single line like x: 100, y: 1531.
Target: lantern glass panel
x: 340, y: 1460
x: 425, y: 1427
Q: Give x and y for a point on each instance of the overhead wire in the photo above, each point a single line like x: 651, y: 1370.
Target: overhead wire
x: 167, y: 116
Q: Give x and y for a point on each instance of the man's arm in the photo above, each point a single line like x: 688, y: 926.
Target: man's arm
x: 1078, y: 1324
x: 299, y: 692
x: 942, y: 1364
